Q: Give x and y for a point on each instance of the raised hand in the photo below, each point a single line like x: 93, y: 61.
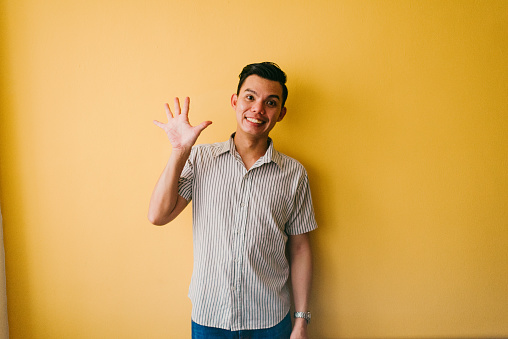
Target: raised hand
x: 181, y: 134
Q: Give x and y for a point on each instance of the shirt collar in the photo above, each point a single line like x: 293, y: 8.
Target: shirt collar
x: 229, y: 146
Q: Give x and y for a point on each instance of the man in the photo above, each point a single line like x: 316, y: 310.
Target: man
x: 250, y: 204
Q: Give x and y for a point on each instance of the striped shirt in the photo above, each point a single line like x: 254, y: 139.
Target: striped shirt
x: 241, y: 222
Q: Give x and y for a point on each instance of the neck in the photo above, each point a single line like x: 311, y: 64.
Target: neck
x: 250, y: 149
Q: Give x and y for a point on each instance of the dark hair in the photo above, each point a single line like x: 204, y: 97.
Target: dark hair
x: 267, y: 70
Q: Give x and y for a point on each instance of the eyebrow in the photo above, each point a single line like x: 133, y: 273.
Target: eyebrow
x: 253, y: 91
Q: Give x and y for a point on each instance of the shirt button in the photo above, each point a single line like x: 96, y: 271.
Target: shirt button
x: 242, y: 205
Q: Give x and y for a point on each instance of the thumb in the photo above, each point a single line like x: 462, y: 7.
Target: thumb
x: 203, y: 125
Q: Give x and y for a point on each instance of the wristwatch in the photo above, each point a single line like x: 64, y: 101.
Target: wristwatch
x: 304, y: 315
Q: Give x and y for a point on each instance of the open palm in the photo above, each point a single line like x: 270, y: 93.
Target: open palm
x: 178, y: 129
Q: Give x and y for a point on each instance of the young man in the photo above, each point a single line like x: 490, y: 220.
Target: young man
x: 250, y: 204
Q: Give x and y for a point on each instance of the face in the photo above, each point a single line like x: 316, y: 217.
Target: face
x: 258, y: 106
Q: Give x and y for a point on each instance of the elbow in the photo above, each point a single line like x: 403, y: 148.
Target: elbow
x: 162, y: 215
x: 157, y: 220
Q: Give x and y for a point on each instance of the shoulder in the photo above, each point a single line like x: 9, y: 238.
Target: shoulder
x: 213, y: 149
x: 288, y: 164
x: 207, y: 152
x: 290, y: 168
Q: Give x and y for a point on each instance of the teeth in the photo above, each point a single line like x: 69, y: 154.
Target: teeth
x: 256, y: 121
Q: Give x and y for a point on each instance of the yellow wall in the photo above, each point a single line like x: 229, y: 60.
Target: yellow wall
x: 398, y: 109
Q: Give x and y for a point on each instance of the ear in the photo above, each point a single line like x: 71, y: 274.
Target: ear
x: 282, y: 114
x: 234, y: 100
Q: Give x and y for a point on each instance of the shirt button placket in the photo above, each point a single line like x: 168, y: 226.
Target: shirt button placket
x: 244, y: 213
x: 239, y: 233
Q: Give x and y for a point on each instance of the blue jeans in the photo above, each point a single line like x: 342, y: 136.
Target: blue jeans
x: 280, y: 331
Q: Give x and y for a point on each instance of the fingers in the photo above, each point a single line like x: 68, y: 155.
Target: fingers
x: 185, y: 107
x: 186, y: 104
x: 158, y: 123
x: 177, y: 109
x: 168, y: 112
x: 177, y: 106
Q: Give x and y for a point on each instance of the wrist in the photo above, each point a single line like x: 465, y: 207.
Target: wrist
x: 300, y: 322
x: 302, y: 317
x: 181, y: 151
x: 179, y: 157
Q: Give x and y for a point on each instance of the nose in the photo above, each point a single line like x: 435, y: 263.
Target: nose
x: 258, y: 107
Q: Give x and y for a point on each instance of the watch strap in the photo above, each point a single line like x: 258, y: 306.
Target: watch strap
x: 304, y: 315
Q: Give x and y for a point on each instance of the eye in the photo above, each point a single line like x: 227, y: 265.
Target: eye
x: 249, y: 97
x: 271, y: 103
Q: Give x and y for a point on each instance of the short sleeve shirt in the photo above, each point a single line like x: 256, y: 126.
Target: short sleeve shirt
x: 241, y: 223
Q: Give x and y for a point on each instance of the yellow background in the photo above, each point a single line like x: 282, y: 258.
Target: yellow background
x: 398, y: 110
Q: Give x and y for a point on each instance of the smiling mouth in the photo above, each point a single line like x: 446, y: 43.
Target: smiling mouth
x: 255, y: 121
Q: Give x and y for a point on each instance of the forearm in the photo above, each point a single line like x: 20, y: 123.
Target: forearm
x: 165, y: 194
x: 300, y: 256
x: 301, y: 277
x: 165, y: 203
